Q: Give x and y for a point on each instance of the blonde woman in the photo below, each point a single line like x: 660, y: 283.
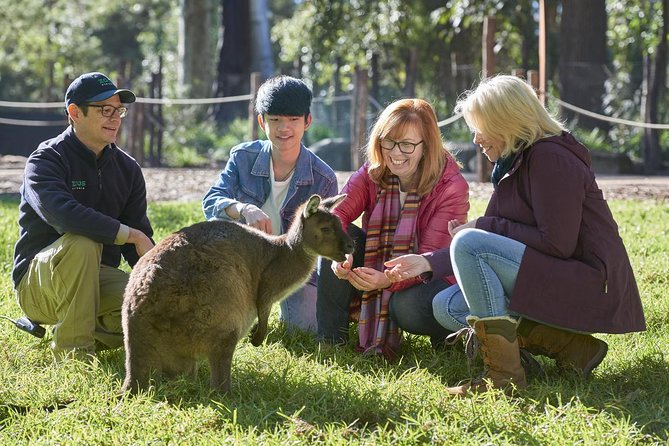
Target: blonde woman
x: 407, y: 192
x: 546, y: 253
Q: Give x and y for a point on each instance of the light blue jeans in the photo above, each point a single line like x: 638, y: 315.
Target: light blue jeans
x: 486, y: 266
x: 299, y: 309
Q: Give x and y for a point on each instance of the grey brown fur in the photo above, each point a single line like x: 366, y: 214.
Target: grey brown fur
x: 199, y: 290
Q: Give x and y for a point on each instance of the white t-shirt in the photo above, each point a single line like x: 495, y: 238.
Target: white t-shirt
x: 403, y: 198
x: 279, y: 191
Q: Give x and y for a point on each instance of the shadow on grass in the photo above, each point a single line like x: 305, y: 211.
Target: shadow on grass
x: 638, y: 391
x: 268, y: 395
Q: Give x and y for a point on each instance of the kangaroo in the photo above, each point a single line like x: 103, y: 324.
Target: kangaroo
x: 198, y: 291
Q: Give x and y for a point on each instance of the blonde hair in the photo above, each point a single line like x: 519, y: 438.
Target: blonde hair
x: 506, y: 108
x: 392, y: 123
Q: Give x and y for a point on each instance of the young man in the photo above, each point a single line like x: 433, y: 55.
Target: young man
x: 83, y: 205
x: 265, y: 181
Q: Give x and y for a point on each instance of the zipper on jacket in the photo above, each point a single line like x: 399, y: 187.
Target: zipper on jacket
x: 99, y: 179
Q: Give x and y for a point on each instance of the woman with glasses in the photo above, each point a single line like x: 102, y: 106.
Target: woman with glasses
x: 545, y: 266
x: 406, y: 193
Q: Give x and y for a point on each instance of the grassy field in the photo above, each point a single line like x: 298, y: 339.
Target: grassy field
x: 293, y: 391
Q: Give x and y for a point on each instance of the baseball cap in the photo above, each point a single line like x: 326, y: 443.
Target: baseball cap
x: 92, y: 87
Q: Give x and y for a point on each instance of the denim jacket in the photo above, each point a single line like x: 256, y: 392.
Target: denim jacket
x: 246, y: 179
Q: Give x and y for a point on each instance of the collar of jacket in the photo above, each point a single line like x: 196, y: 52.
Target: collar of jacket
x: 80, y: 149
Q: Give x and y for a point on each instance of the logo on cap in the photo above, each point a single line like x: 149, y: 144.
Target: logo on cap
x: 92, y: 87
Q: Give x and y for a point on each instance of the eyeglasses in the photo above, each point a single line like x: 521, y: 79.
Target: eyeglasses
x: 109, y: 110
x: 405, y: 146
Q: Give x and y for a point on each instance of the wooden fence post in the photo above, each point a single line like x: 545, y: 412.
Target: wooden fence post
x: 519, y: 72
x: 138, y: 134
x: 253, y: 121
x: 359, y: 117
x: 542, y: 52
x: 483, y: 166
x: 533, y: 80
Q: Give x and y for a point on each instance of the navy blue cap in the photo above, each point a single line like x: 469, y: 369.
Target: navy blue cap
x: 92, y: 87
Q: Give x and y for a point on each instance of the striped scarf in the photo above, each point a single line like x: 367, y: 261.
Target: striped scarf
x: 391, y: 232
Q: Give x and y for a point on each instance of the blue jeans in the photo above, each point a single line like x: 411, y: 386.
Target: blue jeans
x: 410, y: 309
x: 486, y: 266
x: 299, y: 309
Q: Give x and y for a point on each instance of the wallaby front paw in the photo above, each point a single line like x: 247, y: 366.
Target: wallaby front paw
x: 257, y: 336
x: 256, y: 339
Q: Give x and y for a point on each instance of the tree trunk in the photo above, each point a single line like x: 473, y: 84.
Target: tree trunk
x: 154, y: 125
x: 583, y: 58
x: 336, y: 87
x: 195, y: 54
x: 359, y: 117
x: 411, y: 71
x: 654, y: 89
x: 261, y: 47
x: 234, y: 55
x: 376, y: 77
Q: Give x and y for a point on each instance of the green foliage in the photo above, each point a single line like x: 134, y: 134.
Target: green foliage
x: 292, y: 390
x: 594, y: 139
x: 44, y: 44
x: 317, y: 132
x: 234, y: 133
x: 204, y: 143
x: 633, y: 33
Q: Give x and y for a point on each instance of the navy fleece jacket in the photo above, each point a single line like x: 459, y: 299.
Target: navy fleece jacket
x: 67, y: 189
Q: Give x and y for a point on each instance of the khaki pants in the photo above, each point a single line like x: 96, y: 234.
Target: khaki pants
x: 65, y: 286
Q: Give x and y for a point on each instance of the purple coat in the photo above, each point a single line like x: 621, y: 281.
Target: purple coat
x: 575, y: 272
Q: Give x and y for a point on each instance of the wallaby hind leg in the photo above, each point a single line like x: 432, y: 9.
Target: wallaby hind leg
x: 141, y: 357
x: 220, y: 363
x: 138, y: 370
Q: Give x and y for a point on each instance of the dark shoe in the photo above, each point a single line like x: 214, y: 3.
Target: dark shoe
x: 439, y: 344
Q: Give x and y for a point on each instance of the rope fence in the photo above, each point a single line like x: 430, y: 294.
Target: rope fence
x: 248, y: 97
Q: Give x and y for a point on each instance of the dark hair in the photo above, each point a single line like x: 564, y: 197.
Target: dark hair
x: 284, y: 95
x: 84, y: 110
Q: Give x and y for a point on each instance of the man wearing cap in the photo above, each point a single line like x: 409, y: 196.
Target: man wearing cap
x: 83, y: 205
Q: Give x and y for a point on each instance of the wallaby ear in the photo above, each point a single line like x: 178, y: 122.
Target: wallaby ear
x: 312, y: 206
x: 333, y: 202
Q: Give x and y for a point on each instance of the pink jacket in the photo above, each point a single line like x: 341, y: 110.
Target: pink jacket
x: 448, y: 200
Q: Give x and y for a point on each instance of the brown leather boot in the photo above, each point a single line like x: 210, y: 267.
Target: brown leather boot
x: 575, y: 351
x: 501, y: 357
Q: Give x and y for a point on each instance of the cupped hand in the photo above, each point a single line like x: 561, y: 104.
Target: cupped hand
x: 341, y: 269
x: 368, y: 279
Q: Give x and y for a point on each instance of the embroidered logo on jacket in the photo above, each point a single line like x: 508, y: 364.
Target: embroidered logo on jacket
x: 78, y: 184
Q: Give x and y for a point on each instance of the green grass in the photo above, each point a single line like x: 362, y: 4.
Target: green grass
x: 293, y: 391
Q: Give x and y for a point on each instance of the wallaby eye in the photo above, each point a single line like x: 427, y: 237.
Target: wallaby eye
x: 327, y: 230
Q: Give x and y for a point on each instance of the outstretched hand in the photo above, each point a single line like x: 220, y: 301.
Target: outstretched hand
x: 143, y: 244
x: 406, y: 266
x: 454, y: 226
x: 255, y: 217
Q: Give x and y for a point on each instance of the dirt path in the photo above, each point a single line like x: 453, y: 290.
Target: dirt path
x: 177, y: 184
